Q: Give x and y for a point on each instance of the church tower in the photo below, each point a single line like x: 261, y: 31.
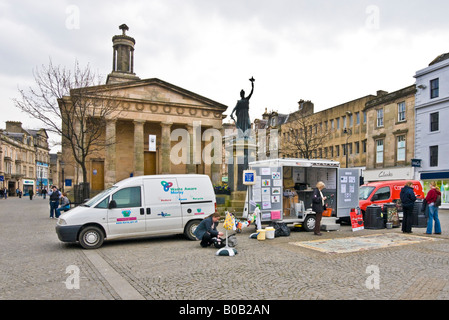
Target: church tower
x: 123, y: 58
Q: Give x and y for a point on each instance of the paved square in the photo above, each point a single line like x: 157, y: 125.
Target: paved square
x: 356, y: 244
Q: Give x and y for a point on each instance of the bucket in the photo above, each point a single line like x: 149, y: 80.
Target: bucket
x: 269, y: 233
x: 389, y: 225
x: 261, y: 234
x: 327, y: 212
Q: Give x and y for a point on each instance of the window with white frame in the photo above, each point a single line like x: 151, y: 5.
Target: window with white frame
x: 401, y: 112
x: 380, y: 117
x: 380, y: 151
x: 401, y: 148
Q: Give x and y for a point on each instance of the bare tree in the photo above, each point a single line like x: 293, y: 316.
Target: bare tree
x: 303, y: 133
x: 73, y: 105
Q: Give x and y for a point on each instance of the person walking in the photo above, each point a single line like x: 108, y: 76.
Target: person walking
x: 54, y: 200
x: 408, y: 199
x: 433, y: 200
x: 318, y: 206
x: 31, y: 193
x: 44, y: 192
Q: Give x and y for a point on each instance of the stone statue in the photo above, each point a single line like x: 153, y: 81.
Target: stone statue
x: 242, y: 110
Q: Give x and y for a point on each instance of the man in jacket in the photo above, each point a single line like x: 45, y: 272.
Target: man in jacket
x: 54, y: 200
x: 408, y: 199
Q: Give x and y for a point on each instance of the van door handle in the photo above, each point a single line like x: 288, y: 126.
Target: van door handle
x: 142, y: 212
x: 148, y: 210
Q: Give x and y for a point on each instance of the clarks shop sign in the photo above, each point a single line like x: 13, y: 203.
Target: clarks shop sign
x: 388, y: 174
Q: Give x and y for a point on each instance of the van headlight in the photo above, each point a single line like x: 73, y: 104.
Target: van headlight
x: 62, y: 222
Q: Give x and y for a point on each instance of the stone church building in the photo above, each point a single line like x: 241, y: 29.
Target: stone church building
x: 150, y: 109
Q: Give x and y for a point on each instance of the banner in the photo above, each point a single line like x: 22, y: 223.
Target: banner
x: 356, y: 219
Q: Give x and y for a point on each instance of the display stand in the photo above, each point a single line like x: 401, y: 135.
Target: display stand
x: 228, y: 225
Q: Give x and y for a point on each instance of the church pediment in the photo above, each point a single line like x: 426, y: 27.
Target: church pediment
x: 156, y: 91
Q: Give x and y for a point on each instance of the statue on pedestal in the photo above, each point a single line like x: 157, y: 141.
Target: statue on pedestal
x: 242, y: 110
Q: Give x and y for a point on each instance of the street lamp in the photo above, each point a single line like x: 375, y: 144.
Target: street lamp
x: 61, y: 163
x: 349, y: 133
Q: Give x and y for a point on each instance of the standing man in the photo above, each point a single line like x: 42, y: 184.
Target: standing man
x: 408, y: 199
x: 54, y: 200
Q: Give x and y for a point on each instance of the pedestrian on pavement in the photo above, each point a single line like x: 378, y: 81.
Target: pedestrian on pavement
x: 5, y: 193
x: 31, y: 193
x: 207, y: 230
x: 318, y: 206
x: 433, y: 200
x: 65, y: 205
x: 44, y: 192
x: 54, y: 194
x: 408, y: 199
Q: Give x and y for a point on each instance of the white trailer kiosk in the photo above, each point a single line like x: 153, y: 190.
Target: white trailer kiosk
x: 283, y: 190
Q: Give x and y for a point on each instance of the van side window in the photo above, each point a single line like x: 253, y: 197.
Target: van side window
x: 128, y: 197
x: 383, y: 194
x: 103, y: 204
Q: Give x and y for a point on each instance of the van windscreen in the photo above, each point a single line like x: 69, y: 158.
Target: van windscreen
x: 365, y: 192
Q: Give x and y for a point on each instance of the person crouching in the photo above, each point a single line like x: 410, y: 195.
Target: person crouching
x: 207, y: 230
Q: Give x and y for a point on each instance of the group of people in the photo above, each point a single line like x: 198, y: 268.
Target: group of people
x: 58, y: 202
x: 207, y: 230
x: 432, y: 201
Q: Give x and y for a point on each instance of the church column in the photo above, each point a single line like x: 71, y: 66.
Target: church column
x: 110, y: 163
x: 191, y: 166
x: 138, y: 148
x: 216, y: 165
x: 165, y: 147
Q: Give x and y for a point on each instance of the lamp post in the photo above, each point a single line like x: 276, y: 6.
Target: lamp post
x: 349, y: 133
x: 61, y: 163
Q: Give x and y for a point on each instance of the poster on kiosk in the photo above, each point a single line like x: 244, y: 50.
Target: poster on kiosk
x: 286, y: 186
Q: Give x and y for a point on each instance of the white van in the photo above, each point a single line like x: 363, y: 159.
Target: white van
x: 140, y: 206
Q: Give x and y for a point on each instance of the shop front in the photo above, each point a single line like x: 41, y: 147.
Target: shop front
x: 27, y: 186
x: 442, y: 180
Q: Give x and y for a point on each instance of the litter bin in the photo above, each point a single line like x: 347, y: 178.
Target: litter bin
x: 419, y: 215
x: 391, y: 214
x: 373, y: 217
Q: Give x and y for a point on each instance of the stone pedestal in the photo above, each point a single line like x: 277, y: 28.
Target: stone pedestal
x: 240, y: 152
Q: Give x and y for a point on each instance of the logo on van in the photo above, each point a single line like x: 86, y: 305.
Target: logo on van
x: 166, y: 185
x: 164, y: 214
x: 126, y: 213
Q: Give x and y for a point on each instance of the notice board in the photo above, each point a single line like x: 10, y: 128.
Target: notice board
x: 267, y: 191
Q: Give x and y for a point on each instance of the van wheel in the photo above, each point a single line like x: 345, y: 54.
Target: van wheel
x: 190, y: 229
x: 91, y: 237
x: 309, y: 223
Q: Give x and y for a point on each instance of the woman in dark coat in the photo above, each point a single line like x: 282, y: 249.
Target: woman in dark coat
x: 408, y: 199
x: 318, y: 206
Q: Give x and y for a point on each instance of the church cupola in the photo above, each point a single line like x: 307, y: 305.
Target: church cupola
x: 123, y: 58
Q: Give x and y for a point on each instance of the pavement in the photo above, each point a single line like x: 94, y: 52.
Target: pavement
x: 35, y: 265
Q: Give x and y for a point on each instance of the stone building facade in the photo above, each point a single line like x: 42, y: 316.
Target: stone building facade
x: 342, y: 129
x: 390, y: 135
x: 24, y: 158
x: 154, y: 116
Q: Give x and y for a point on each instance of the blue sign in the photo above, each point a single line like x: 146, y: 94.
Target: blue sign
x: 249, y: 177
x: 2, y: 178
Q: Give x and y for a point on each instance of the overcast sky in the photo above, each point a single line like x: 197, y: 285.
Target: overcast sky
x: 329, y: 52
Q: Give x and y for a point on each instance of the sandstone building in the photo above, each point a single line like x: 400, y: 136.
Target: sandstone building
x: 141, y: 133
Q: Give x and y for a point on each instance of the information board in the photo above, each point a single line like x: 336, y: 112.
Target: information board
x: 267, y: 191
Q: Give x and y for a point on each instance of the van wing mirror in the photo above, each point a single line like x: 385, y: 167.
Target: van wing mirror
x: 112, y: 204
